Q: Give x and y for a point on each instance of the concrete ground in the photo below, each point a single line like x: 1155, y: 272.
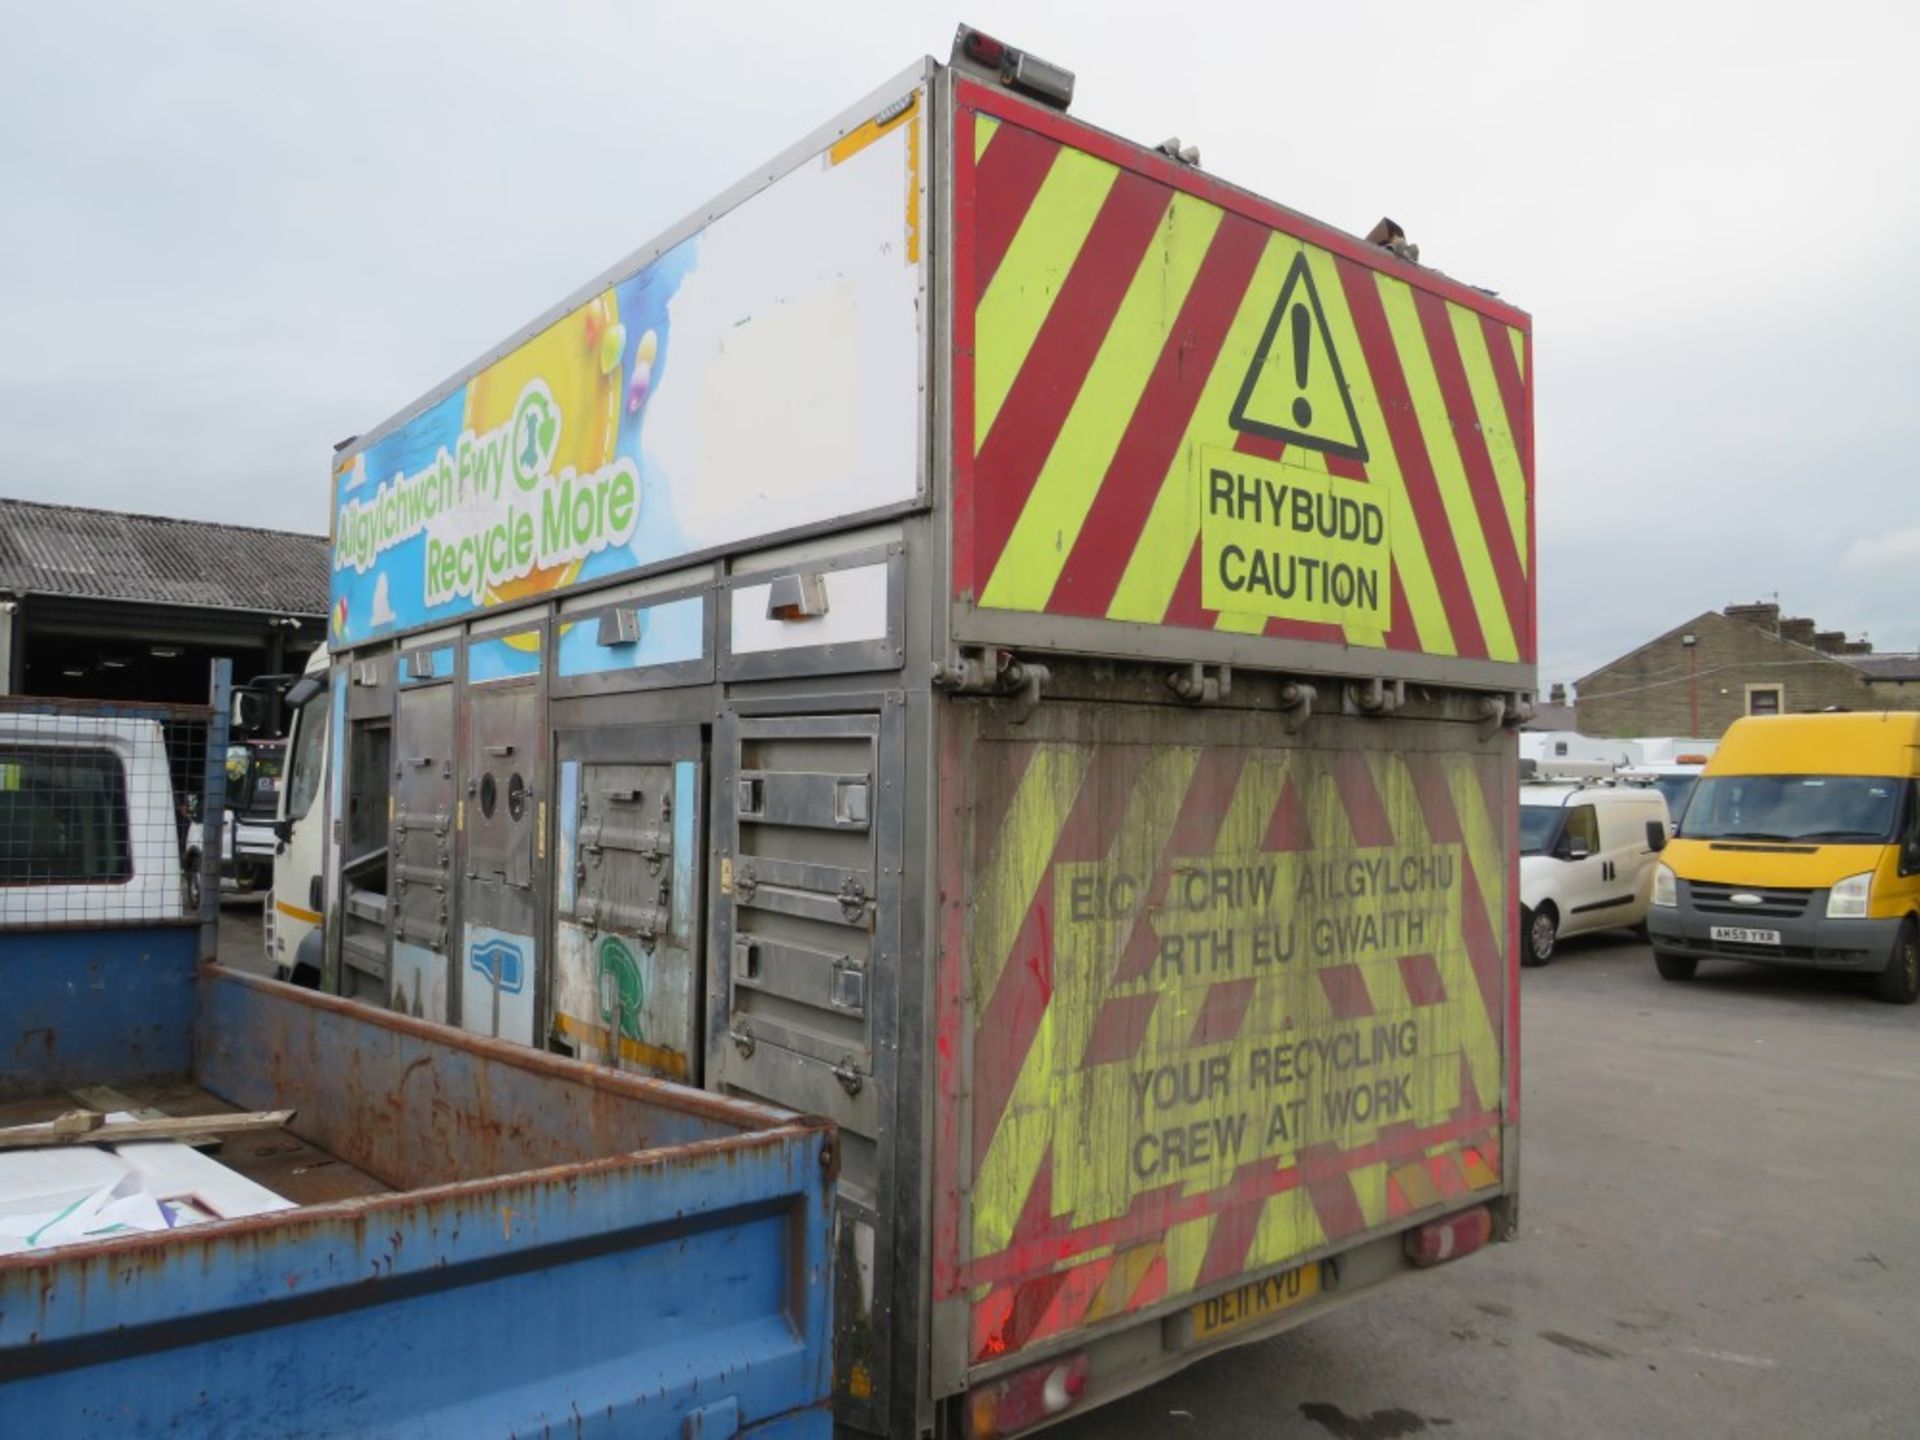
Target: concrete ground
x: 242, y: 937
x: 1720, y: 1187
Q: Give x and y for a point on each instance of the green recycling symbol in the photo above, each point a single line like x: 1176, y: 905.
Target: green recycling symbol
x: 536, y: 435
x: 620, y: 987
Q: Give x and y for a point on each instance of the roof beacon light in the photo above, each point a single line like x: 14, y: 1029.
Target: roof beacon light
x: 1015, y: 69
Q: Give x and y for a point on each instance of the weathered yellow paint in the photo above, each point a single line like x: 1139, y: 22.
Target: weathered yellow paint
x: 1020, y: 1143
x: 1020, y: 857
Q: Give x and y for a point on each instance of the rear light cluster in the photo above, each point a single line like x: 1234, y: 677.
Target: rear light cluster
x: 1027, y: 1398
x: 1450, y: 1238
x: 1016, y: 69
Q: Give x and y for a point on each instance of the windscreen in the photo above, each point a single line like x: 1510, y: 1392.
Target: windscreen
x: 1832, y: 809
x: 1537, y: 824
x: 1676, y: 789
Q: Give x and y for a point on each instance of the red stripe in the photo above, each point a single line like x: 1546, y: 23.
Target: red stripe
x: 1403, y: 431
x: 1346, y: 989
x: 1195, y: 832
x: 1421, y: 975
x: 1288, y: 828
x: 1005, y: 181
x: 1365, y: 814
x: 1233, y: 1234
x: 1513, y: 395
x: 992, y: 781
x: 1119, y: 1029
x: 1222, y: 1012
x: 1185, y: 607
x: 950, y: 970
x: 1056, y: 366
x: 965, y: 297
x: 1478, y: 464
x: 1159, y: 421
x: 1331, y: 1189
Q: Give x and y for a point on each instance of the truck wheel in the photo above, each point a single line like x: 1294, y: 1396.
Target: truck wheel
x: 1674, y: 967
x: 191, y: 882
x: 1899, y: 983
x: 1538, y: 931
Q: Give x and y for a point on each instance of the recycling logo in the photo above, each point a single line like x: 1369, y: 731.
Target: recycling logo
x: 536, y: 435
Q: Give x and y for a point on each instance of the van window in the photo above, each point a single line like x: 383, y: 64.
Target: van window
x: 1828, y: 809
x: 63, y: 817
x: 1583, y: 829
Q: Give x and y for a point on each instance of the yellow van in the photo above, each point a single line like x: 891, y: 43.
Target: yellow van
x: 1800, y: 846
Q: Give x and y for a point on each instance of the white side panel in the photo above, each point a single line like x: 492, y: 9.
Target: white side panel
x: 856, y: 610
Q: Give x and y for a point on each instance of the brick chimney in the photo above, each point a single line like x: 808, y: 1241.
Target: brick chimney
x: 1830, y: 642
x: 1857, y: 647
x: 1800, y: 632
x: 1557, y: 695
x: 1764, y: 616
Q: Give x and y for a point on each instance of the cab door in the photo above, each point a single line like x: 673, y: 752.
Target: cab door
x: 1585, y: 877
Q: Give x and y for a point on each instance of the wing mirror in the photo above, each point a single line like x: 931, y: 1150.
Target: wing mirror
x: 1656, y: 836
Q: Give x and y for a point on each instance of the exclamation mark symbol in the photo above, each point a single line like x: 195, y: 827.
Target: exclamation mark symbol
x: 1302, y: 335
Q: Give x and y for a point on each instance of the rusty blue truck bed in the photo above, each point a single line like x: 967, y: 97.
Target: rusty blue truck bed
x: 489, y: 1241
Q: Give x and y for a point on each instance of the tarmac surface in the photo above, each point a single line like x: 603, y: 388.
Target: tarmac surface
x: 1720, y: 1183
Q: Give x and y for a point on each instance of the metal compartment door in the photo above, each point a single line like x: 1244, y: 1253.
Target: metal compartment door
x: 627, y: 882
x: 421, y: 846
x: 795, y: 922
x: 504, y: 818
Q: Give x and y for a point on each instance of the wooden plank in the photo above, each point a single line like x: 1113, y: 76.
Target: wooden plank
x: 90, y: 1127
x: 107, y: 1099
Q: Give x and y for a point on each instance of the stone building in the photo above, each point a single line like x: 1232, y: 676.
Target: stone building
x: 1699, y: 677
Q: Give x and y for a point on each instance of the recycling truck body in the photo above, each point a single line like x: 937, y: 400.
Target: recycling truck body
x: 990, y: 634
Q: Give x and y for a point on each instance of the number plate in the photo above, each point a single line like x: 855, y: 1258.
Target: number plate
x: 1741, y: 935
x: 1251, y: 1303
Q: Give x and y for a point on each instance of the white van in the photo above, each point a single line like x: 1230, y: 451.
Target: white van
x: 1586, y: 861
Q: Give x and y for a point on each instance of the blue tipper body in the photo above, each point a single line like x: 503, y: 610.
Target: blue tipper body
x: 567, y: 1250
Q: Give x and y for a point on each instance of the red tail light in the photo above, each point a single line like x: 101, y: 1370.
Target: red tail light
x: 1027, y: 1397
x: 1450, y: 1238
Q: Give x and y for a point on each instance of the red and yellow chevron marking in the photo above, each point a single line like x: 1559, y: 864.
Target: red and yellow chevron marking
x: 1125, y: 328
x: 1228, y: 1006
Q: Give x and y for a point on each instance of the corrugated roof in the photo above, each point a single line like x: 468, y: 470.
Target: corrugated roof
x: 152, y: 559
x: 1885, y: 667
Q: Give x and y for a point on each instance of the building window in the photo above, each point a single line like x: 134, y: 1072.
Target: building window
x: 1765, y: 700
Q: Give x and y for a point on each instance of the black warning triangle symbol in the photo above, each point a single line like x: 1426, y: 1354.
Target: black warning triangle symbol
x: 1295, y: 389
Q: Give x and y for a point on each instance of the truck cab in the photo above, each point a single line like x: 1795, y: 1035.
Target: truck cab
x: 1586, y: 860
x: 1800, y: 846
x: 294, y: 934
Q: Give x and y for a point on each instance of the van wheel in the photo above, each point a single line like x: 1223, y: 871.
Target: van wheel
x: 1899, y: 983
x: 191, y: 882
x: 1538, y: 931
x: 1674, y: 967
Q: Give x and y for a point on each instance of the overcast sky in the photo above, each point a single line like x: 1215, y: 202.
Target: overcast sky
x: 232, y: 234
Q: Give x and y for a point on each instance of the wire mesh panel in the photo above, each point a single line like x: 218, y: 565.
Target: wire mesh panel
x: 109, y: 813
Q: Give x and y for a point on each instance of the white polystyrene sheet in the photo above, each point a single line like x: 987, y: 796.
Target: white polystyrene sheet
x: 64, y: 1194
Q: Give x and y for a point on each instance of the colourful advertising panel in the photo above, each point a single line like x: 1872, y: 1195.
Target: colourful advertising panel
x: 760, y: 376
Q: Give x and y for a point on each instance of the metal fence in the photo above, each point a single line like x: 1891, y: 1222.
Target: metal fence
x: 111, y: 814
